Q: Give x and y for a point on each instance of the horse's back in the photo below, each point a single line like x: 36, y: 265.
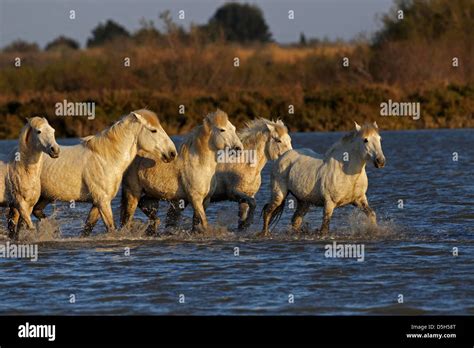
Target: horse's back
x: 159, y: 179
x: 298, y: 169
x: 300, y: 157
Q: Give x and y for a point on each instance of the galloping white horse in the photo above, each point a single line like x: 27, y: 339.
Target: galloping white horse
x: 189, y: 178
x: 22, y: 181
x: 241, y: 181
x: 92, y: 171
x: 331, y: 181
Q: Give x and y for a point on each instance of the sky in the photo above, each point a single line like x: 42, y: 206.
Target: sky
x: 43, y: 20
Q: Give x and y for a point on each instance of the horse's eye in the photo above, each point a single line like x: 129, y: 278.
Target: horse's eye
x: 366, y: 140
x: 277, y: 140
x: 38, y: 132
x: 222, y: 130
x: 153, y: 130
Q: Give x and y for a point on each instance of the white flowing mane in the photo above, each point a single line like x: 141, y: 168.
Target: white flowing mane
x: 108, y: 141
x: 257, y: 128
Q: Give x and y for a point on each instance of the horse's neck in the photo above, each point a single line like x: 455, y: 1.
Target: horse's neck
x: 257, y: 144
x: 201, y: 150
x: 355, y: 163
x: 122, y: 152
x: 30, y: 159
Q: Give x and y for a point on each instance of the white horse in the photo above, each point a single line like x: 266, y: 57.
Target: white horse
x: 22, y: 184
x: 331, y: 181
x: 3, y: 184
x: 240, y: 181
x: 189, y: 178
x: 92, y: 170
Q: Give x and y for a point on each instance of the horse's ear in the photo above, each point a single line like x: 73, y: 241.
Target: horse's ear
x: 375, y: 124
x: 141, y: 119
x: 270, y: 127
x: 357, y: 126
x: 207, y: 124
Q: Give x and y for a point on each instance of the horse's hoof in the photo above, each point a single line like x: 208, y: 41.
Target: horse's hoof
x: 242, y: 226
x: 322, y: 234
x: 151, y: 232
x: 263, y: 234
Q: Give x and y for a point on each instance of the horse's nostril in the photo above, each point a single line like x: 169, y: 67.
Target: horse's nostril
x: 237, y: 148
x: 172, y: 154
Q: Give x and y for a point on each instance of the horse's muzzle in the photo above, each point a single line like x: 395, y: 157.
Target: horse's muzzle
x: 169, y: 157
x: 379, y: 162
x: 54, y: 152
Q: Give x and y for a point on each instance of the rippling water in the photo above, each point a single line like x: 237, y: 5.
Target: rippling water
x: 409, y: 254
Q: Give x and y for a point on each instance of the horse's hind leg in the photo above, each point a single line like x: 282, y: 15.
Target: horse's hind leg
x: 297, y: 219
x: 128, y: 205
x: 149, y: 207
x: 279, y: 193
x: 38, y: 209
x: 92, y: 219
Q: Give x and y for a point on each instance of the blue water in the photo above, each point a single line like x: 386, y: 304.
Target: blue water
x: 410, y: 254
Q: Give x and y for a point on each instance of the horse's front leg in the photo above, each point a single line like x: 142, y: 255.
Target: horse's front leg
x: 92, y: 219
x: 363, y: 204
x: 38, y: 209
x: 328, y: 210
x: 247, y: 207
x: 25, y: 214
x: 149, y: 207
x: 174, y: 213
x: 13, y: 218
x: 105, y: 209
x: 199, y: 217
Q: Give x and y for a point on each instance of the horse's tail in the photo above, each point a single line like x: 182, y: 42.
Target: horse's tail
x: 277, y: 213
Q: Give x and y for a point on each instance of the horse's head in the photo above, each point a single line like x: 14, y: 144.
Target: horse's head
x: 41, y: 136
x: 152, y: 138
x: 370, y: 143
x: 221, y: 131
x: 278, y: 141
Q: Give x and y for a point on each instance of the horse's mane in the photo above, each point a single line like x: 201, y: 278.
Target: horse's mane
x: 190, y: 140
x: 257, y: 128
x: 104, y: 141
x: 24, y: 133
x: 366, y: 129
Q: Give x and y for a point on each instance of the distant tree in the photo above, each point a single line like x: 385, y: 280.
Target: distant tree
x: 61, y: 43
x: 303, y: 41
x: 427, y: 19
x: 109, y: 31
x: 21, y: 46
x: 147, y: 34
x: 240, y: 22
